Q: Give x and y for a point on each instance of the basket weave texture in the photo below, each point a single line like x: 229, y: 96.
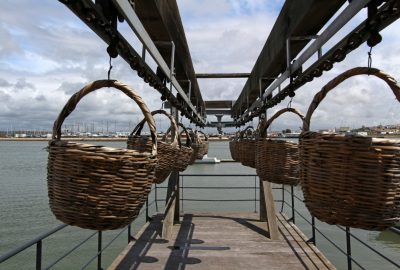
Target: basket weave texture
x: 246, y: 146
x: 184, y: 157
x: 277, y: 161
x: 166, y: 152
x: 96, y: 187
x: 199, y: 145
x: 351, y: 180
x: 233, y: 148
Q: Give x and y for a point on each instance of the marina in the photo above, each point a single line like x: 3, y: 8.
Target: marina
x: 190, y: 179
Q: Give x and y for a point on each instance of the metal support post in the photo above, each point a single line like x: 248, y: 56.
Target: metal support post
x: 181, y: 193
x: 155, y: 197
x: 348, y: 245
x: 292, y: 195
x: 172, y: 66
x: 99, y: 247
x: 39, y: 255
x: 147, y: 210
x: 312, y: 239
x: 129, y: 233
x: 255, y: 194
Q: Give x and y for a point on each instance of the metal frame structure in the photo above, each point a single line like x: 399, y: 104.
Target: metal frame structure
x: 387, y: 14
x: 105, y: 28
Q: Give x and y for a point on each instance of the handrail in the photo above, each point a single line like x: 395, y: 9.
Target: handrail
x: 38, y: 240
x: 31, y: 243
x: 347, y: 231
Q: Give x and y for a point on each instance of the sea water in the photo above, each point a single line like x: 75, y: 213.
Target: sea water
x: 24, y: 211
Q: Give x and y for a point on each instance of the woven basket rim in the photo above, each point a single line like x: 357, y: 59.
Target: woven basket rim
x: 61, y: 143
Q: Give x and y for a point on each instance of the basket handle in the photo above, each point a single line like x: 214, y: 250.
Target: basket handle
x: 93, y: 86
x: 205, y: 136
x: 265, y: 125
x: 391, y: 82
x: 139, y: 127
x: 184, y: 130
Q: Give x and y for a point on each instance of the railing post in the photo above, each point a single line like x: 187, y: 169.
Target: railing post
x: 39, y: 255
x: 155, y: 197
x: 147, y: 209
x: 312, y: 239
x: 283, y: 197
x: 348, y: 244
x: 255, y: 194
x: 129, y: 233
x: 292, y: 195
x: 99, y: 245
x: 313, y: 230
x: 181, y: 193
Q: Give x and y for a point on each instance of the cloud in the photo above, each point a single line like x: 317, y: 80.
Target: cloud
x: 47, y: 54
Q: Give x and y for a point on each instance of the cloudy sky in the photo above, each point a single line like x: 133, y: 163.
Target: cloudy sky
x: 47, y: 54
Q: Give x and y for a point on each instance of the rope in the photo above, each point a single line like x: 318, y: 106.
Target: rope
x: 109, y: 70
x: 369, y: 61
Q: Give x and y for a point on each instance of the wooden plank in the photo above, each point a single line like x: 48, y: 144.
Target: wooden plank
x: 220, y: 241
x: 270, y: 209
x: 171, y: 214
x: 297, y: 18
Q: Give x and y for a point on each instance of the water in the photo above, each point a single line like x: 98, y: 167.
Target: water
x: 25, y: 213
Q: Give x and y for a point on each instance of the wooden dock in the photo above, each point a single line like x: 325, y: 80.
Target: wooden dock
x: 220, y: 241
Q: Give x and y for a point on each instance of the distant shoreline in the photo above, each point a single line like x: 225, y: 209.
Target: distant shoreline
x: 119, y: 139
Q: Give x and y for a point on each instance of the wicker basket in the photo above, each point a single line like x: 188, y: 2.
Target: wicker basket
x: 166, y: 152
x: 185, y: 155
x: 277, y: 161
x: 197, y: 145
x: 232, y: 146
x: 351, y: 180
x: 203, y: 142
x: 96, y: 187
x: 246, y: 147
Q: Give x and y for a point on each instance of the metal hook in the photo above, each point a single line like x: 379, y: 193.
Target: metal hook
x: 109, y: 70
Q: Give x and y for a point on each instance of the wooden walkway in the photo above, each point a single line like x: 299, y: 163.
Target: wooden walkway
x: 220, y: 241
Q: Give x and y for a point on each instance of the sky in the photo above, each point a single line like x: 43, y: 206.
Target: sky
x: 47, y: 54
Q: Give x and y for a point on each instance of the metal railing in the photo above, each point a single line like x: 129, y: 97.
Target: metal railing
x: 38, y: 241
x: 350, y: 260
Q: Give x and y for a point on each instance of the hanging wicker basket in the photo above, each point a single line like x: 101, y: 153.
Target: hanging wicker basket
x: 166, y: 152
x: 184, y: 157
x: 351, y: 180
x: 232, y: 146
x: 203, y: 142
x: 197, y: 145
x: 246, y: 147
x: 96, y: 187
x: 277, y: 161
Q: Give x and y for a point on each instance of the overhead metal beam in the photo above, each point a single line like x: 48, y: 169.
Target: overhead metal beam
x: 132, y: 19
x: 297, y: 18
x: 218, y: 111
x: 343, y: 18
x: 218, y: 104
x: 221, y: 75
x: 162, y: 21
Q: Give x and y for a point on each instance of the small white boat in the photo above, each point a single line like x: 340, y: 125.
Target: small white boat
x: 208, y: 160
